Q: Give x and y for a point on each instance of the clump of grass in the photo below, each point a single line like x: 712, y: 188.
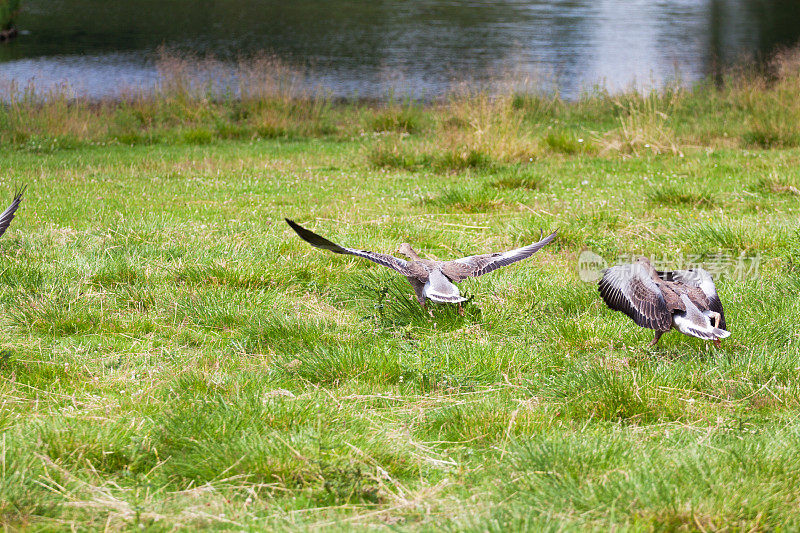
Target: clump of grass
x: 519, y: 177
x: 643, y: 126
x: 592, y: 230
x: 612, y: 395
x: 676, y: 196
x: 462, y: 158
x: 793, y: 251
x: 564, y: 142
x: 737, y: 237
x: 464, y: 200
x: 119, y: 271
x: 59, y: 315
x: 226, y: 130
x: 771, y: 104
x: 772, y: 132
x: 44, y: 144
x: 126, y: 126
x: 395, y: 153
x: 535, y: 106
x: 401, y: 154
x: 284, y: 335
x: 775, y: 184
x: 197, y: 136
x: 587, y: 474
x: 485, y: 125
x: 22, y: 276
x: 399, y: 119
x: 222, y: 275
x: 271, y: 130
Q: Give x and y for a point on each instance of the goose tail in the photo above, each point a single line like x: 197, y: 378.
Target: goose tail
x: 721, y: 333
x: 440, y: 289
x: 444, y: 298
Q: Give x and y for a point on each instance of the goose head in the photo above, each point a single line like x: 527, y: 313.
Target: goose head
x: 408, y: 251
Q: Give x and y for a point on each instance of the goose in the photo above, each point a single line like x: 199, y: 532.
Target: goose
x: 8, y: 215
x: 432, y: 280
x: 686, y: 300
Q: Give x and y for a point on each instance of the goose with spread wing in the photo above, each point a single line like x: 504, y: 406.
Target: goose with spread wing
x: 686, y: 300
x: 8, y: 215
x: 432, y: 280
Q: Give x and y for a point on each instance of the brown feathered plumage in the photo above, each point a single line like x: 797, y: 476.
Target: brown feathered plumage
x: 430, y: 279
x: 684, y: 299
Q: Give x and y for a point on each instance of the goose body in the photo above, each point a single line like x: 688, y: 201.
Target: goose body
x: 686, y: 300
x: 431, y: 280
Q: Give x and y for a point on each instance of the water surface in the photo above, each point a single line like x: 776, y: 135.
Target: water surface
x: 365, y: 47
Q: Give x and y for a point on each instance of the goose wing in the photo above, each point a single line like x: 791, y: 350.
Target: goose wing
x: 631, y: 290
x: 8, y: 215
x: 699, y: 279
x: 478, y: 265
x: 321, y: 242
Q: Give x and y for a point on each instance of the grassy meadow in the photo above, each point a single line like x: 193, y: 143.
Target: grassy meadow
x: 175, y: 357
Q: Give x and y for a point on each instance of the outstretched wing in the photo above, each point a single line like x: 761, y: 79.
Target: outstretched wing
x: 478, y: 265
x: 629, y: 288
x: 699, y: 279
x: 8, y: 215
x: 321, y: 242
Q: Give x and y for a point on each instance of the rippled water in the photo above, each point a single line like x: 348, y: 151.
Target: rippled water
x: 364, y: 47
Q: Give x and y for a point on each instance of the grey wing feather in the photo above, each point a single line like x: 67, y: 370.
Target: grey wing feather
x: 8, y: 215
x: 321, y: 242
x: 701, y: 279
x: 478, y: 265
x: 629, y: 289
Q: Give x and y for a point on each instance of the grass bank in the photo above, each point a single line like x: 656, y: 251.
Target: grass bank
x: 199, y: 102
x: 174, y: 356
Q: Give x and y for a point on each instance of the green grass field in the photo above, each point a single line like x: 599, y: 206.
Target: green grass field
x: 174, y: 356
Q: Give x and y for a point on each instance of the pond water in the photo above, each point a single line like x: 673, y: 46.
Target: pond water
x: 365, y: 47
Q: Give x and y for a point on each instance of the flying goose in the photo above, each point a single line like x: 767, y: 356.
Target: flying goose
x: 8, y: 215
x: 686, y: 300
x: 431, y: 279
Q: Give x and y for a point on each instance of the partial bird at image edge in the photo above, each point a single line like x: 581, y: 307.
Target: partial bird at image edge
x: 8, y: 215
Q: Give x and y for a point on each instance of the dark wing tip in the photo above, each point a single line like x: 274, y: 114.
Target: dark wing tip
x: 315, y: 240
x: 8, y: 215
x: 300, y: 230
x: 19, y: 192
